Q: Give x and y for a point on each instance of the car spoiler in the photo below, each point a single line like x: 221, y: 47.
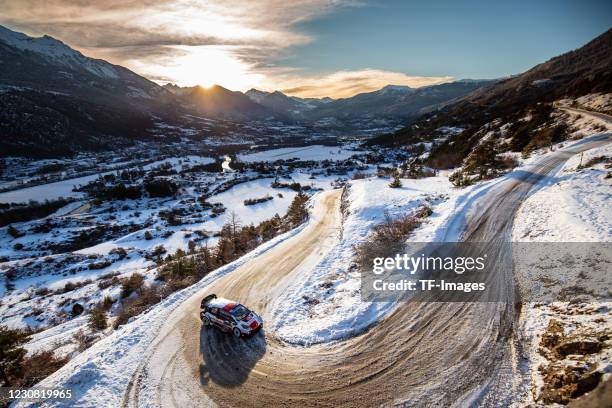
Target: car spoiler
x: 206, y: 300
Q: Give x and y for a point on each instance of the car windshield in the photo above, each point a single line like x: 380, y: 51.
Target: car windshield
x: 239, y: 312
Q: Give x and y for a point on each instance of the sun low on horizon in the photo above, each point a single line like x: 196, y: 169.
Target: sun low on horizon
x: 203, y: 66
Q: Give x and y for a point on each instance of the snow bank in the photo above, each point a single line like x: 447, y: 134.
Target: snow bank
x: 573, y: 206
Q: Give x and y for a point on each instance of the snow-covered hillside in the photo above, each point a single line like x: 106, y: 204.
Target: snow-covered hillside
x: 58, y: 52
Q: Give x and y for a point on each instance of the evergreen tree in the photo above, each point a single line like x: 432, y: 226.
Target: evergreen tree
x: 297, y: 213
x: 11, y: 353
x: 396, y: 183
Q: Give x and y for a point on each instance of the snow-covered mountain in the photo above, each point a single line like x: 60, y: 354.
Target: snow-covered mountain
x: 395, y: 89
x: 390, y: 102
x: 47, y: 64
x: 396, y: 101
x: 282, y: 104
x: 54, y: 100
x: 57, y: 52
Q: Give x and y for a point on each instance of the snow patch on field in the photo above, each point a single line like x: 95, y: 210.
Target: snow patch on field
x: 315, y: 152
x: 51, y: 191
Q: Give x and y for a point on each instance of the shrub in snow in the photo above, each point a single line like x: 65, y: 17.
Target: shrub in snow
x: 97, y: 319
x: 191, y: 244
x: 359, y: 175
x: 83, y: 340
x: 120, y: 252
x: 108, y: 282
x: 396, y: 182
x: 107, y: 302
x: 172, y: 216
x: 388, y: 237
x: 416, y: 170
x: 131, y: 284
x: 42, y: 291
x: 69, y: 287
x: 77, y: 309
x: 297, y: 213
x: 148, y: 295
x: 37, y: 367
x: 161, y: 187
x: 99, y: 265
x: 459, y: 179
x: 253, y: 201
x: 607, y: 160
x: 293, y: 186
x: 156, y: 253
x: 13, y: 232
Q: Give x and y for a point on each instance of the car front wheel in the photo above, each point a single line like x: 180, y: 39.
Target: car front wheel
x: 237, y: 332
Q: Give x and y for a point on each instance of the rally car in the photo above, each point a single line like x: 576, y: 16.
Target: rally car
x: 229, y: 316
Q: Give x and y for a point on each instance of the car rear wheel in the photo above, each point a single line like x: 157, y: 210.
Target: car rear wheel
x: 236, y: 332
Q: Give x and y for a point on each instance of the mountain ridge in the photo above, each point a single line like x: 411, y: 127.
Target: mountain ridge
x: 582, y: 71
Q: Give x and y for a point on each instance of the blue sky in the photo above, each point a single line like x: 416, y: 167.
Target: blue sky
x: 314, y: 48
x: 474, y: 39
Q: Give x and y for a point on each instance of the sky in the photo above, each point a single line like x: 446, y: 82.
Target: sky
x: 315, y: 48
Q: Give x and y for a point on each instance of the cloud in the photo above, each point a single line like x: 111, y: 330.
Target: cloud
x: 91, y: 23
x: 343, y: 84
x: 229, y: 42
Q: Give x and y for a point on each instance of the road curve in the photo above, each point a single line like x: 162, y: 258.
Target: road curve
x: 425, y: 354
x: 599, y: 115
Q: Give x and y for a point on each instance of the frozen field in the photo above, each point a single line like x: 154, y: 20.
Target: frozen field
x: 53, y: 191
x: 315, y: 152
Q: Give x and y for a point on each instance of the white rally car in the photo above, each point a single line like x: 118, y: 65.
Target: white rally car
x: 229, y: 316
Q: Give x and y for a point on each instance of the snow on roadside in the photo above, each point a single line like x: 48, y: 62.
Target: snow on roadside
x: 572, y: 207
x: 325, y: 304
x: 575, y: 206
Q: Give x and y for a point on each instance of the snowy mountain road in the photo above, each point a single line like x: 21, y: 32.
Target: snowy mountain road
x: 425, y: 354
